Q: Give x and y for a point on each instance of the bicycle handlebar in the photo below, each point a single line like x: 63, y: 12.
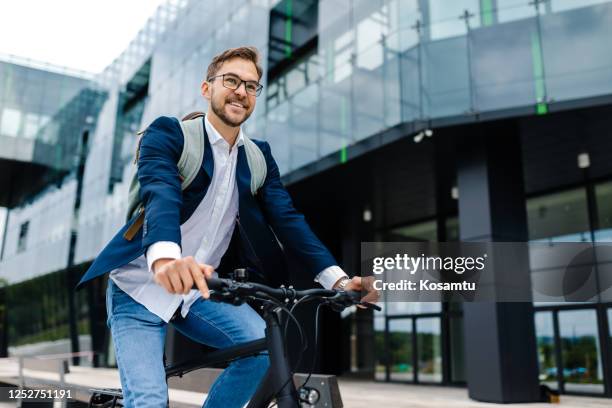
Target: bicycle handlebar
x: 230, y: 291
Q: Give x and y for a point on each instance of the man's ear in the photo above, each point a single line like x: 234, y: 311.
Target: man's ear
x: 205, y: 88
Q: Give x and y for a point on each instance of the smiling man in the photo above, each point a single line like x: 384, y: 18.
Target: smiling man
x: 215, y: 224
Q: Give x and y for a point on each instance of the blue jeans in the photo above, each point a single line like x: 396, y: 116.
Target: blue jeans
x: 139, y: 337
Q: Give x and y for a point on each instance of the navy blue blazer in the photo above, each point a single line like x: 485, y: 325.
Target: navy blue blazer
x: 262, y: 216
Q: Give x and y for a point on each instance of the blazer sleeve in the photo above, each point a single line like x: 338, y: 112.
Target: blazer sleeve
x: 160, y: 184
x: 288, y: 224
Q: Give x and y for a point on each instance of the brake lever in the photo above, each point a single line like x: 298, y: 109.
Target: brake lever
x: 369, y: 305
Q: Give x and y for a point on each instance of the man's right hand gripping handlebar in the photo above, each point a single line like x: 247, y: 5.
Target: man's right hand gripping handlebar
x: 181, y: 275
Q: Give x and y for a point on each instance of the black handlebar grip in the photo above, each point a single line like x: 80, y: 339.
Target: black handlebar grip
x: 217, y: 283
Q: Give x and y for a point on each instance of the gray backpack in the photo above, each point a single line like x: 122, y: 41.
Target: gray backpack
x: 189, y: 165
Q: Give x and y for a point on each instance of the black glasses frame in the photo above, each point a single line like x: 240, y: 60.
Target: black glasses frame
x: 241, y: 81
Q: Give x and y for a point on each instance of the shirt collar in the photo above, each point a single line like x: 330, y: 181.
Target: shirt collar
x: 215, y: 137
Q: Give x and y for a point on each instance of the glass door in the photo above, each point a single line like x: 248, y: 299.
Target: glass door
x: 545, y: 339
x: 570, y: 350
x: 429, y: 352
x: 581, y: 351
x: 401, y: 350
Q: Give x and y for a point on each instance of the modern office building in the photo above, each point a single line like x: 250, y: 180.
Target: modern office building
x: 391, y: 120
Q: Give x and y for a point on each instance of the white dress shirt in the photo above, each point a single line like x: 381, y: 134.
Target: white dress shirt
x: 205, y: 235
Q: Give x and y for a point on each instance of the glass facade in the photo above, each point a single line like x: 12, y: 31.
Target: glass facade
x: 385, y: 62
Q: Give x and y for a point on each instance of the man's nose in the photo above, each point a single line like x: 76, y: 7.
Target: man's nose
x: 241, y: 90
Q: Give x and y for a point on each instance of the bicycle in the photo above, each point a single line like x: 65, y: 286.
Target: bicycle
x: 277, y: 384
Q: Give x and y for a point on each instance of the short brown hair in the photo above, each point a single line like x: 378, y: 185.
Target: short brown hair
x: 247, y: 53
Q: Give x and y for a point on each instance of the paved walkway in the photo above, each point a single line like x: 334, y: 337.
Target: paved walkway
x: 355, y: 393
x: 369, y: 394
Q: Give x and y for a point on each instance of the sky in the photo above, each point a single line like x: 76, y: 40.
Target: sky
x: 86, y: 35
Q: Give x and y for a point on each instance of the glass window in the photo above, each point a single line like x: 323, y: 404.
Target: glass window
x: 545, y: 338
x: 369, y: 35
x: 510, y: 10
x: 603, y: 196
x: 452, y: 229
x: 580, y: 351
x: 560, y: 217
x: 445, y: 77
x: 562, y: 5
x: 445, y: 17
x: 504, y: 76
x: 403, y: 17
x: 23, y: 236
x: 429, y: 349
x: 11, y: 122
x: 584, y: 34
x: 424, y: 231
x: 400, y: 350
x: 379, y: 347
x: 31, y: 126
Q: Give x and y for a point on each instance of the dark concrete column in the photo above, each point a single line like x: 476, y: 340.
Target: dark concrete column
x: 500, y: 346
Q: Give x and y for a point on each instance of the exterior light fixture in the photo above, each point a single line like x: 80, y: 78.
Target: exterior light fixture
x: 584, y: 160
x: 422, y: 134
x: 455, y: 193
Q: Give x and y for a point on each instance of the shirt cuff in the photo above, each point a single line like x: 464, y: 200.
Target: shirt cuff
x: 329, y: 276
x: 161, y: 250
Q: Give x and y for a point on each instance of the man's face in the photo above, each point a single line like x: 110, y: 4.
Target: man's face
x: 233, y: 107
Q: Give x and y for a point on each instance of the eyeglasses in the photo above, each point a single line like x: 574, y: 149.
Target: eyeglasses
x: 233, y: 82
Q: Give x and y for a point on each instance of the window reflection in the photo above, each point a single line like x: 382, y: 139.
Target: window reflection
x: 429, y: 349
x: 560, y: 217
x: 562, y: 5
x: 379, y: 348
x: 445, y: 17
x: 603, y: 196
x: 510, y: 10
x: 580, y: 350
x: 424, y: 231
x: 39, y: 314
x: 401, y: 367
x: 545, y: 338
x: 30, y: 126
x: 11, y: 122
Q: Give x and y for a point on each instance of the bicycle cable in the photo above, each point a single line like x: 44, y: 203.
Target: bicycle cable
x: 316, y: 345
x: 303, y: 340
x: 304, y: 343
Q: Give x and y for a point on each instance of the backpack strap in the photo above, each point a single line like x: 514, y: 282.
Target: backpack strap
x: 193, y: 150
x: 188, y: 166
x: 257, y: 164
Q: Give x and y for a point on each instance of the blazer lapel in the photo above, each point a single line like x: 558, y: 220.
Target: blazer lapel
x: 208, y: 162
x: 243, y: 173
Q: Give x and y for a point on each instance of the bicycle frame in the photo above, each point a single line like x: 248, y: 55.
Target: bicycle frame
x: 278, y: 374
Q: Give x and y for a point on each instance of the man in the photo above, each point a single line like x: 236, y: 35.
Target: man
x: 185, y: 235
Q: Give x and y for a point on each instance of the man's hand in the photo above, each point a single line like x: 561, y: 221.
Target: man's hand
x: 179, y: 275
x: 359, y: 284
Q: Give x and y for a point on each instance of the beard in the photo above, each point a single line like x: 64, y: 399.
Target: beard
x: 219, y: 109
